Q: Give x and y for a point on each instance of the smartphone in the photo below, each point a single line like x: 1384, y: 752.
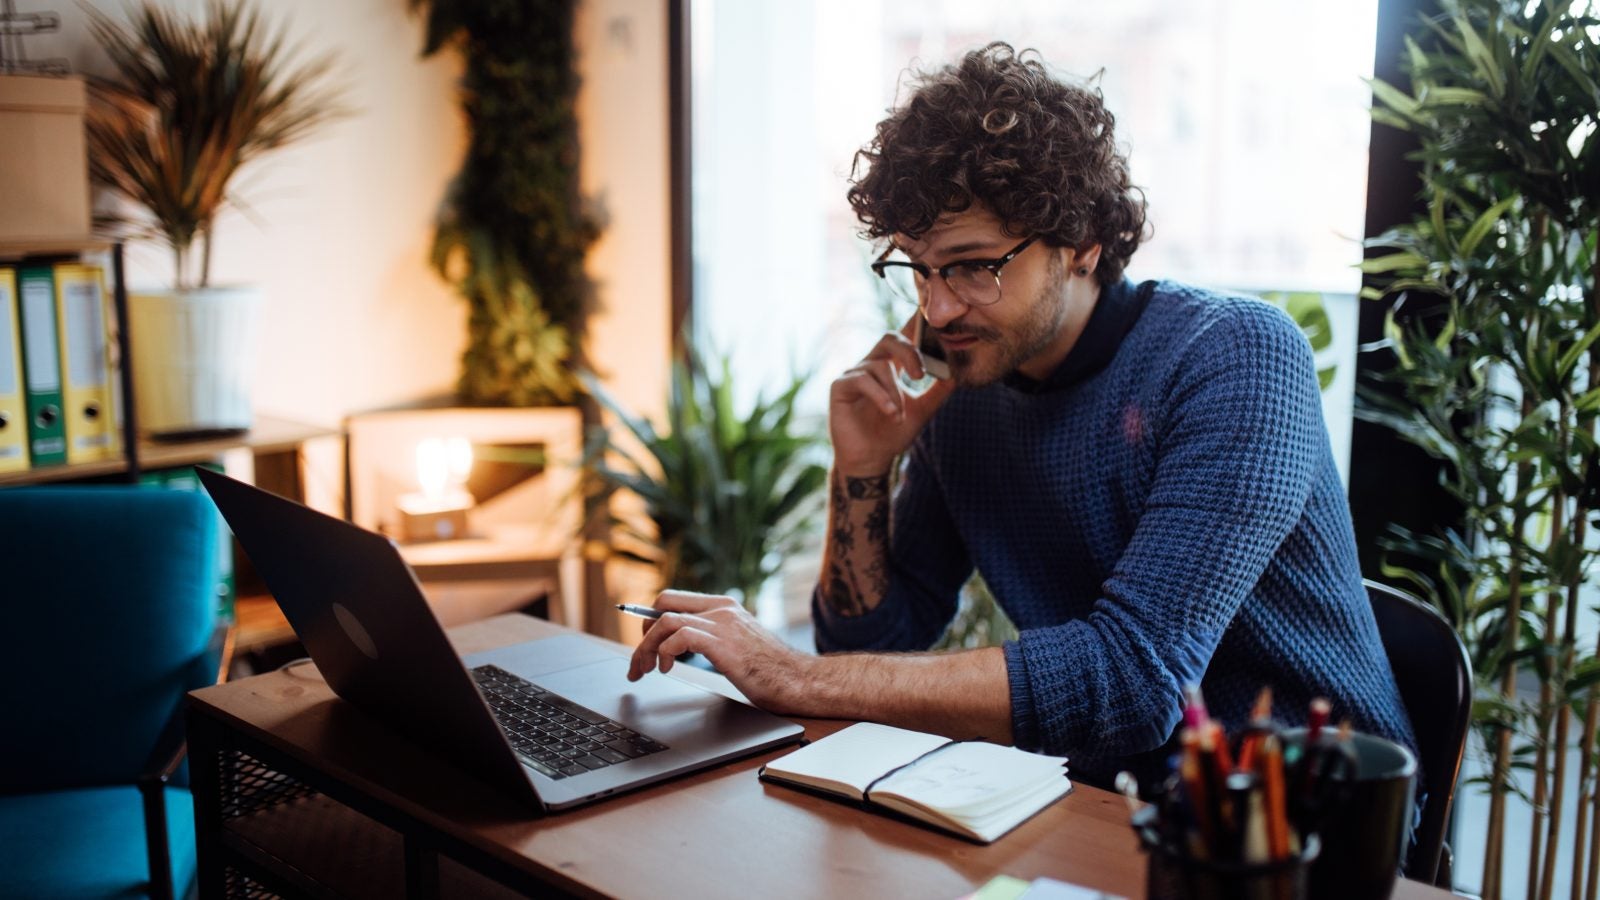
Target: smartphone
x: 932, y: 352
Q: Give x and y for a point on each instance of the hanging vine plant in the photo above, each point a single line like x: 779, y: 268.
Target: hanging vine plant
x: 512, y: 231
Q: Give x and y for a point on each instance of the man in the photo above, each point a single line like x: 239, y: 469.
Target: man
x: 1141, y: 474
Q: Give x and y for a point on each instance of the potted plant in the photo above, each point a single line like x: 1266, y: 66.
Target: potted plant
x: 190, y: 104
x: 1498, y: 377
x: 730, y: 494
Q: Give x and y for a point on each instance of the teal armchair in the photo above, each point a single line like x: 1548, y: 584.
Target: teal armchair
x: 109, y: 599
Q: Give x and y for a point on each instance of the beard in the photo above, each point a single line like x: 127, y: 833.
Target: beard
x: 1001, y: 352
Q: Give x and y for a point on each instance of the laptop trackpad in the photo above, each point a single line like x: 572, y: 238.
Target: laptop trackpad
x: 659, y: 706
x: 534, y: 659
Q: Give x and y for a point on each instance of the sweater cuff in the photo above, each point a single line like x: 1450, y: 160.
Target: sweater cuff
x: 868, y: 631
x: 1024, y: 719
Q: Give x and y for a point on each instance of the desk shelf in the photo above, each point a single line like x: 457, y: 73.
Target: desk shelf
x: 268, y: 436
x: 282, y: 838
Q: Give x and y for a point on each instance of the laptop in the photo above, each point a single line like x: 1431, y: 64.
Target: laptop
x: 553, y: 722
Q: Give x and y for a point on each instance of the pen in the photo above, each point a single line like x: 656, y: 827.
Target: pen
x: 643, y: 612
x: 1261, y: 725
x: 1197, y: 793
x: 1276, y: 802
x: 1320, y: 708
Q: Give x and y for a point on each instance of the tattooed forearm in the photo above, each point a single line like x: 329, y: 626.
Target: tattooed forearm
x: 842, y: 535
x: 877, y: 521
x: 873, y: 488
x: 855, y: 573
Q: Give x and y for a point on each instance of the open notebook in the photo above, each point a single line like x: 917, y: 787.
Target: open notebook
x: 972, y: 788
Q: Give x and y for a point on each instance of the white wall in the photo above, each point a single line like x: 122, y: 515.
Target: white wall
x: 623, y: 128
x: 340, y: 224
x: 355, y: 319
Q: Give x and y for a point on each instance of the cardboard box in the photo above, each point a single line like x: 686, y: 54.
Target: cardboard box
x: 44, y: 172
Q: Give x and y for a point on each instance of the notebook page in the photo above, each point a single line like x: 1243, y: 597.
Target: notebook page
x: 857, y: 755
x: 974, y: 779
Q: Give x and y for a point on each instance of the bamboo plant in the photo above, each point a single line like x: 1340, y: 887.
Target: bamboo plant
x: 191, y: 103
x: 1496, y: 373
x: 730, y: 493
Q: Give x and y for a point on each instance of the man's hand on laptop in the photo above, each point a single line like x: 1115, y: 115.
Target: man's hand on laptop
x: 770, y: 673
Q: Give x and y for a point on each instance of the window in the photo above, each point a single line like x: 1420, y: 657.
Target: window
x: 1246, y: 122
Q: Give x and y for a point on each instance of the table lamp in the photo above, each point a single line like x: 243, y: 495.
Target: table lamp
x: 438, y: 511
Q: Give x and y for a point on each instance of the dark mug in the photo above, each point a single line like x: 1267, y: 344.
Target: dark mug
x: 1366, y: 828
x: 1171, y: 874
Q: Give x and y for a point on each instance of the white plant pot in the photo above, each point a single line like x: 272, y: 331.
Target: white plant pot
x: 193, y: 353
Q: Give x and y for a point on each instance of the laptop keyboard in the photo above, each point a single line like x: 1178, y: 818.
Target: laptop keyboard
x: 553, y: 735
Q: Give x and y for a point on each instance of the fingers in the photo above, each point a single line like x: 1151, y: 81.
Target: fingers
x: 703, y: 615
x: 691, y: 602
x: 925, y: 403
x: 647, y: 655
x: 687, y: 639
x: 873, y: 382
x: 874, y: 378
x: 686, y: 601
x: 896, y: 347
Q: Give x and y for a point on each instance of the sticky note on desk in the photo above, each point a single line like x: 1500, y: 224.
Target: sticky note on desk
x: 1005, y: 887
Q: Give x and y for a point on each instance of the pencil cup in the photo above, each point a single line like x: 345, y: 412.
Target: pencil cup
x: 1367, y: 827
x: 1173, y: 875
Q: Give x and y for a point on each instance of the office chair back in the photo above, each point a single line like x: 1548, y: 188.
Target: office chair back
x: 1434, y: 674
x: 110, y: 600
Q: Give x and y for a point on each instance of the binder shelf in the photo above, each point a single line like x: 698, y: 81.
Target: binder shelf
x: 121, y: 453
x: 268, y: 436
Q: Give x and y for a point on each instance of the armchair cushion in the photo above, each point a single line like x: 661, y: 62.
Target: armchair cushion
x: 110, y: 596
x: 110, y: 599
x: 88, y: 843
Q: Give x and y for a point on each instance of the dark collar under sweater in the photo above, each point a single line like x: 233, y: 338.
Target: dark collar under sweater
x: 1115, y: 313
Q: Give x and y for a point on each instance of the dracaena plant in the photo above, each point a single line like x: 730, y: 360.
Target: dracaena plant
x: 729, y: 493
x: 1495, y: 372
x: 190, y: 103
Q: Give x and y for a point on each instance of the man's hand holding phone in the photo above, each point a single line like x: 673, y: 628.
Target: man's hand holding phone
x: 872, y: 415
x: 933, y: 361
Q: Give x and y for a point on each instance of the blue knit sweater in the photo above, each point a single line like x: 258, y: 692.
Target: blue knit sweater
x: 1172, y: 517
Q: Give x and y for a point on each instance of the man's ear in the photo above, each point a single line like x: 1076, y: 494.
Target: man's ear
x: 1085, y: 261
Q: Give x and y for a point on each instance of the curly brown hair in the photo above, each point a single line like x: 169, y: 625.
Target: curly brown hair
x: 999, y: 130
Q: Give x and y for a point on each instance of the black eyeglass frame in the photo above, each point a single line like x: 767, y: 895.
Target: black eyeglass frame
x: 923, y: 269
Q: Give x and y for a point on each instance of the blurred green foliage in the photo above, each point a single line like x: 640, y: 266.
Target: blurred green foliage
x: 513, y: 230
x: 1492, y: 327
x: 730, y: 493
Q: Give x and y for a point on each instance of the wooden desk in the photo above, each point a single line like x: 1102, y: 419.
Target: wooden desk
x: 301, y: 794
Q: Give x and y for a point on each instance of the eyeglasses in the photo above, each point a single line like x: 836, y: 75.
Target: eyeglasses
x: 976, y: 282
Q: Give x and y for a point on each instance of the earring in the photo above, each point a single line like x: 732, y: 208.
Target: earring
x: 1083, y: 270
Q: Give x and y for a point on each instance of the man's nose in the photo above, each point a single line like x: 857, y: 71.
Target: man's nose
x: 942, y: 306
